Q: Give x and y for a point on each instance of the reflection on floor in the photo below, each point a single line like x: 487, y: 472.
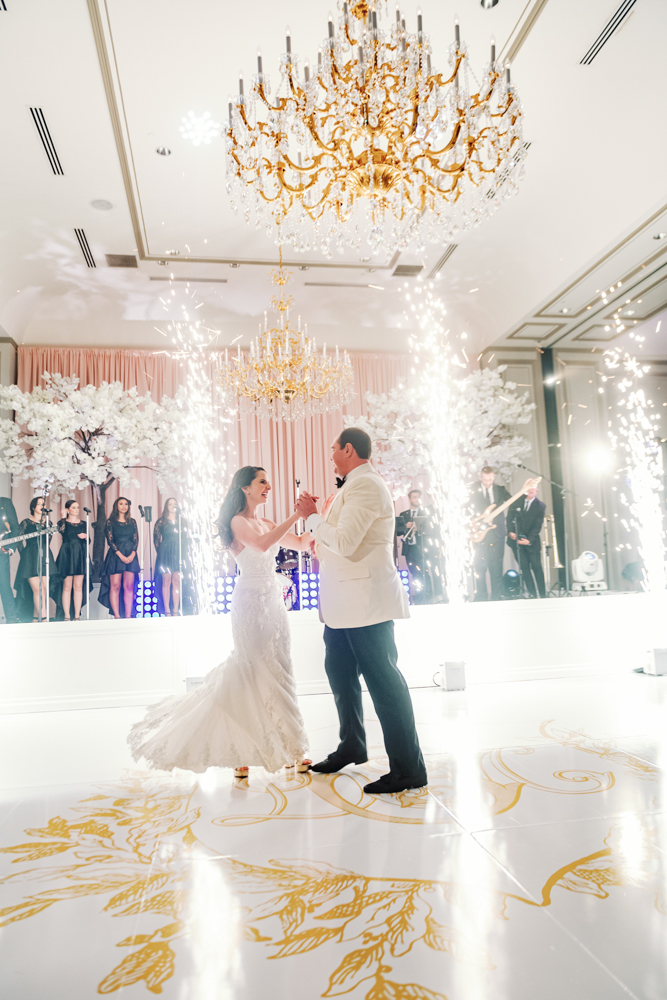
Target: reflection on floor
x: 535, y: 866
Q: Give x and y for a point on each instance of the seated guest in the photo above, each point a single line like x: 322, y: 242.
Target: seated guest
x: 121, y: 563
x: 26, y: 583
x: 9, y: 527
x: 524, y: 521
x: 420, y: 536
x: 71, y: 560
x: 488, y: 554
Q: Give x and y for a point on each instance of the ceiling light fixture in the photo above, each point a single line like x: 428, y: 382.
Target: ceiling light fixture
x: 101, y: 204
x: 488, y: 4
x: 660, y: 236
x: 373, y: 141
x: 173, y: 253
x: 284, y: 375
x: 163, y: 151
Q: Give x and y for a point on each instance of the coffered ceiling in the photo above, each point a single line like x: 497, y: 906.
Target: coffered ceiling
x: 108, y: 82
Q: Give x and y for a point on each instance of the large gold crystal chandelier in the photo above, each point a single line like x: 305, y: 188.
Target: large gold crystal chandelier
x: 373, y: 141
x: 284, y: 375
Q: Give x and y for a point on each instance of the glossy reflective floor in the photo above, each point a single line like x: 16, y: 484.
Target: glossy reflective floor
x: 533, y: 868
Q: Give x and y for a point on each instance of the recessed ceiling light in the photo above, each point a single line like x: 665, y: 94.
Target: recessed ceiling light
x: 630, y: 312
x: 660, y: 236
x: 163, y: 262
x: 488, y: 4
x: 232, y: 265
x: 102, y: 204
x: 565, y: 309
x: 163, y: 151
x: 173, y: 253
x: 304, y: 267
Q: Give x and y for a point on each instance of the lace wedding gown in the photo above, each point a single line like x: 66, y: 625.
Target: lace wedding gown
x: 246, y: 711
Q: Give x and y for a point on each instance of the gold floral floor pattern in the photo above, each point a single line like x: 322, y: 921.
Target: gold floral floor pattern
x: 303, y: 886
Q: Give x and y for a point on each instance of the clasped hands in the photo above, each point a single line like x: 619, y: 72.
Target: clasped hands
x: 306, y: 505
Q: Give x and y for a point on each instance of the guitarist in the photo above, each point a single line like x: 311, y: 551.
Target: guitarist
x: 9, y: 527
x: 524, y: 522
x: 488, y: 554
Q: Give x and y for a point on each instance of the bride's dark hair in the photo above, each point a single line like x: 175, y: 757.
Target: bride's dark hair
x: 235, y: 501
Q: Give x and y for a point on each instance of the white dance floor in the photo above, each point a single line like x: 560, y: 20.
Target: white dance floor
x: 533, y: 866
x: 107, y: 664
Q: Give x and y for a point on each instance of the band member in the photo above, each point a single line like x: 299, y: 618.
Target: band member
x: 9, y: 527
x: 121, y: 564
x: 169, y: 557
x: 524, y: 521
x: 489, y: 552
x: 71, y: 560
x: 418, y: 530
x: 27, y: 575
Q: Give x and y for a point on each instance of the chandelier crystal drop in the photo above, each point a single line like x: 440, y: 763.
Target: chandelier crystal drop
x: 373, y: 142
x: 284, y: 375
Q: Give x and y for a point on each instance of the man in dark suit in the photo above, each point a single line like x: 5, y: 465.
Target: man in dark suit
x: 524, y: 523
x: 9, y: 526
x: 489, y: 552
x: 418, y: 529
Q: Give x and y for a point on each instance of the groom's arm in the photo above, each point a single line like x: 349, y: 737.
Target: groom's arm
x: 358, y: 513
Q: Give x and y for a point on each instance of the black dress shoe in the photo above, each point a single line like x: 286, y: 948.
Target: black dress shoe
x: 336, y: 762
x: 391, y: 783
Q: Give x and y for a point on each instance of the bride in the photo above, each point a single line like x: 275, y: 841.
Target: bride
x: 246, y: 712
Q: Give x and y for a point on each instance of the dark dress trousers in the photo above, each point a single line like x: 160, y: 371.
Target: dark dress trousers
x: 528, y: 524
x: 489, y: 553
x: 9, y: 526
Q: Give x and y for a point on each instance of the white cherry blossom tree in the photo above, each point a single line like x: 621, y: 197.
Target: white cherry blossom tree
x: 64, y: 438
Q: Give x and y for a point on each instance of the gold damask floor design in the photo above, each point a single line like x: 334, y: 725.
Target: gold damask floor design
x: 305, y: 887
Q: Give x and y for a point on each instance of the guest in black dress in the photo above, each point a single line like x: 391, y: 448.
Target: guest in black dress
x: 9, y: 528
x: 168, y: 561
x: 71, y: 560
x: 26, y: 583
x: 121, y: 563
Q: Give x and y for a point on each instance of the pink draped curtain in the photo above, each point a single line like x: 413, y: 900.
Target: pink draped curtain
x: 288, y: 451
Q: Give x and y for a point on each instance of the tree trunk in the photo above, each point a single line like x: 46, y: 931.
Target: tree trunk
x: 99, y: 525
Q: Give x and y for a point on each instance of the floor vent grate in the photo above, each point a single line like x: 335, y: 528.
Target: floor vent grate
x: 608, y: 30
x: 85, y: 248
x: 46, y: 140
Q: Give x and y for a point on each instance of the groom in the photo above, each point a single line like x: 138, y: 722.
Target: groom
x: 360, y: 595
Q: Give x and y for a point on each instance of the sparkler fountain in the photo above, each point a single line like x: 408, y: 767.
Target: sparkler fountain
x: 637, y: 439
x: 438, y: 392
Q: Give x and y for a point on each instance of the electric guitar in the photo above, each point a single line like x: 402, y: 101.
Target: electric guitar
x: 479, y: 533
x: 23, y: 538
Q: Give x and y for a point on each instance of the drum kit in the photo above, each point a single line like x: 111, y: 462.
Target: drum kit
x: 287, y: 562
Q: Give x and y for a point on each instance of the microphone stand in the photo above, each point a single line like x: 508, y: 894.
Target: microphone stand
x: 41, y: 571
x: 180, y: 563
x: 87, y: 512
x: 300, y: 570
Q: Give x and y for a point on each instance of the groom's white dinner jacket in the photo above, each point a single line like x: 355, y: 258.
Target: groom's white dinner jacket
x: 359, y: 584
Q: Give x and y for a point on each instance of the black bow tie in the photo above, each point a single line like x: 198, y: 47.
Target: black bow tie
x: 339, y: 481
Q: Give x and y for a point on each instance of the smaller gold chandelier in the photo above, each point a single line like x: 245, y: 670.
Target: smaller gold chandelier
x: 284, y: 375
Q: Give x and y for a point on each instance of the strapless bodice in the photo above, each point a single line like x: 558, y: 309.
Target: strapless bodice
x: 257, y: 566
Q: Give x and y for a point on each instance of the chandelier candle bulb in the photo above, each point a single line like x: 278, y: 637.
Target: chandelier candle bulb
x: 457, y: 34
x: 288, y: 41
x: 306, y: 72
x: 241, y: 86
x: 507, y: 74
x: 493, y: 52
x: 398, y: 15
x: 259, y: 62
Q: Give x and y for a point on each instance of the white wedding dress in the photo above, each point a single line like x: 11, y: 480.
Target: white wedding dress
x: 246, y: 711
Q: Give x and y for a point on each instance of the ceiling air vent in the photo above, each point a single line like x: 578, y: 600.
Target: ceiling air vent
x: 85, y: 248
x: 46, y: 140
x: 121, y: 260
x: 407, y: 270
x: 451, y: 247
x: 615, y: 22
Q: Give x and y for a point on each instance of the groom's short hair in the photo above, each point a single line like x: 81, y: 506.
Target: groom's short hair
x: 359, y: 440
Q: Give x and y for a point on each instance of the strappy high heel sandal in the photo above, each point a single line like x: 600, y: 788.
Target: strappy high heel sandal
x: 301, y: 766
x: 241, y: 772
